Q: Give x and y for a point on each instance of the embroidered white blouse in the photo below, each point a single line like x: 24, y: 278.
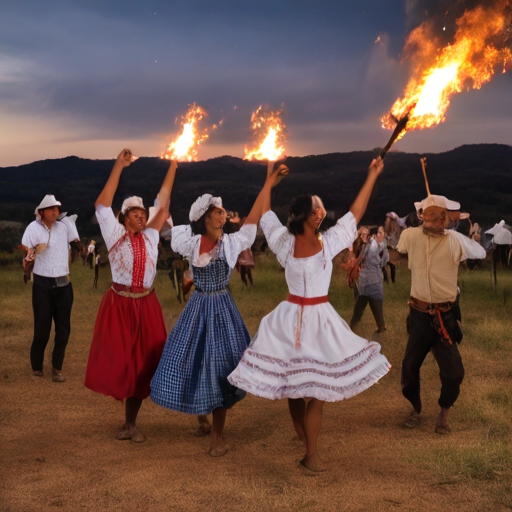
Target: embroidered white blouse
x: 54, y: 260
x: 121, y: 256
x: 187, y: 244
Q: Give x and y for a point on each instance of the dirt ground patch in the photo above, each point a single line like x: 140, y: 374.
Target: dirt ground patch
x: 59, y: 452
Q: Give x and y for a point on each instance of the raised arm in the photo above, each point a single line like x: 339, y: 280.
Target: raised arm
x: 164, y: 198
x: 107, y: 194
x: 262, y: 203
x: 361, y: 202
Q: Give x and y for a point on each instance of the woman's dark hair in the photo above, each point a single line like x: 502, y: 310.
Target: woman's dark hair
x: 121, y: 218
x: 199, y: 226
x: 298, y: 211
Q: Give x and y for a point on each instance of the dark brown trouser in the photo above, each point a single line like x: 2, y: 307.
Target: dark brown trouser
x: 423, y: 338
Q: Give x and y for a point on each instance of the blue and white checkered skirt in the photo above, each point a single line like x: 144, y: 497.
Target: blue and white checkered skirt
x: 203, y: 348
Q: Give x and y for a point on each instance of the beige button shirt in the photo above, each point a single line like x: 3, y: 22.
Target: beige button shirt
x: 434, y: 262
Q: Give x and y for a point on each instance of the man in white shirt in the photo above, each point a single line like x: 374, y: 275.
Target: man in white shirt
x: 48, y: 240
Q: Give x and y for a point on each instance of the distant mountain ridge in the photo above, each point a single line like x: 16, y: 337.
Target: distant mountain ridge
x: 478, y: 176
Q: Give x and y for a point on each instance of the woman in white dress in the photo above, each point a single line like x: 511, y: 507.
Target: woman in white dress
x: 304, y: 350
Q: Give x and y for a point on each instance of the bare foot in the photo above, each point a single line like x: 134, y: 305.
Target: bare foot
x: 313, y: 463
x: 204, y: 429
x: 135, y: 433
x: 442, y: 426
x: 217, y: 446
x: 219, y: 452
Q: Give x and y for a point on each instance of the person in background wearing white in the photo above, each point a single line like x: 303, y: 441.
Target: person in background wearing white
x: 48, y: 239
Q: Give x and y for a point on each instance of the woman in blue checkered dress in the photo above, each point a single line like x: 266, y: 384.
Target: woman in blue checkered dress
x: 210, y: 337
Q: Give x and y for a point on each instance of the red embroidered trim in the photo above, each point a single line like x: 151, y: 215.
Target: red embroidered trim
x: 139, y: 259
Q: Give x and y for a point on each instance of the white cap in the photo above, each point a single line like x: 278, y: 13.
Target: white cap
x: 47, y: 202
x: 132, y: 202
x: 440, y: 201
x: 202, y: 204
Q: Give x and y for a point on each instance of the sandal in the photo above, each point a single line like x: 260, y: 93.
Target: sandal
x: 37, y: 373
x: 219, y: 452
x: 203, y: 430
x: 124, y: 435
x: 413, y: 421
x: 443, y: 431
x: 57, y: 376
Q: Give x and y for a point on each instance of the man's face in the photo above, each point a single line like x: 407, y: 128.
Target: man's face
x: 135, y: 220
x: 50, y: 215
x: 435, y: 217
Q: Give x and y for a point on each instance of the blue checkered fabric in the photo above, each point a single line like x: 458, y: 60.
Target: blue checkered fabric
x: 204, y: 347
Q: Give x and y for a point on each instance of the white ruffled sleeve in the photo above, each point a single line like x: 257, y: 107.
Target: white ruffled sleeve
x: 464, y: 248
x: 235, y: 243
x: 111, y: 229
x: 184, y: 242
x: 279, y: 239
x: 340, y: 236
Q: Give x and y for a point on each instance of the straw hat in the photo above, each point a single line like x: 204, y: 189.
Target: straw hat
x: 439, y: 201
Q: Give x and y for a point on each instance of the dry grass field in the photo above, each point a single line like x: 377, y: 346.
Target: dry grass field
x: 58, y: 449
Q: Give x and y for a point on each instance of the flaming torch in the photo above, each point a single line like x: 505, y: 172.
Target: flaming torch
x: 478, y: 50
x: 269, y: 135
x: 186, y: 144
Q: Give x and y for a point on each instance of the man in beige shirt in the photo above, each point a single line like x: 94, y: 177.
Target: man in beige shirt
x: 434, y: 257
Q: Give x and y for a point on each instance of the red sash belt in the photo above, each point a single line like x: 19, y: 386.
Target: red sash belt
x: 303, y: 301
x: 306, y: 301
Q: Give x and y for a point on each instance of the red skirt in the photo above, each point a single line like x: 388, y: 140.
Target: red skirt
x: 129, y: 337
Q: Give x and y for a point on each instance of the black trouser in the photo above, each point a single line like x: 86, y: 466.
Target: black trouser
x: 376, y: 307
x: 49, y: 303
x: 422, y: 339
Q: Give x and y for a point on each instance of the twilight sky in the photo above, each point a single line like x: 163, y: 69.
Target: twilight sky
x: 88, y: 78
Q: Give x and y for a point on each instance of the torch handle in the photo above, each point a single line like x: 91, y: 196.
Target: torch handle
x: 399, y: 128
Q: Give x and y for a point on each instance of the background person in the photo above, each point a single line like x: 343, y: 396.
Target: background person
x: 48, y: 240
x: 374, y: 257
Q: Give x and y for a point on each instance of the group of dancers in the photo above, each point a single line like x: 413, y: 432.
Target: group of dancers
x: 303, y: 350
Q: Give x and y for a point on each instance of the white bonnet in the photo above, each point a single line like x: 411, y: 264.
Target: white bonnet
x: 201, y: 205
x: 132, y: 202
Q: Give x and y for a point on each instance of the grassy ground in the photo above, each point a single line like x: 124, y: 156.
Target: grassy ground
x: 58, y: 449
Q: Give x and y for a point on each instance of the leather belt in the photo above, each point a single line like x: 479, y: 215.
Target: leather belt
x: 131, y: 292
x: 427, y: 307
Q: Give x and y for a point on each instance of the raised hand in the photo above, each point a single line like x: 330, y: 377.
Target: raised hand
x: 376, y: 166
x: 277, y: 176
x: 125, y: 158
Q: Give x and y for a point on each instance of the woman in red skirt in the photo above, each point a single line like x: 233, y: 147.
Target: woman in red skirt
x: 130, y: 333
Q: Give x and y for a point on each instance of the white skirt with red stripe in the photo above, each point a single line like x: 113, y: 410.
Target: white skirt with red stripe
x: 308, y: 351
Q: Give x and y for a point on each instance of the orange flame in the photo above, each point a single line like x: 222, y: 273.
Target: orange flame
x: 185, y: 146
x: 475, y: 55
x: 269, y: 135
